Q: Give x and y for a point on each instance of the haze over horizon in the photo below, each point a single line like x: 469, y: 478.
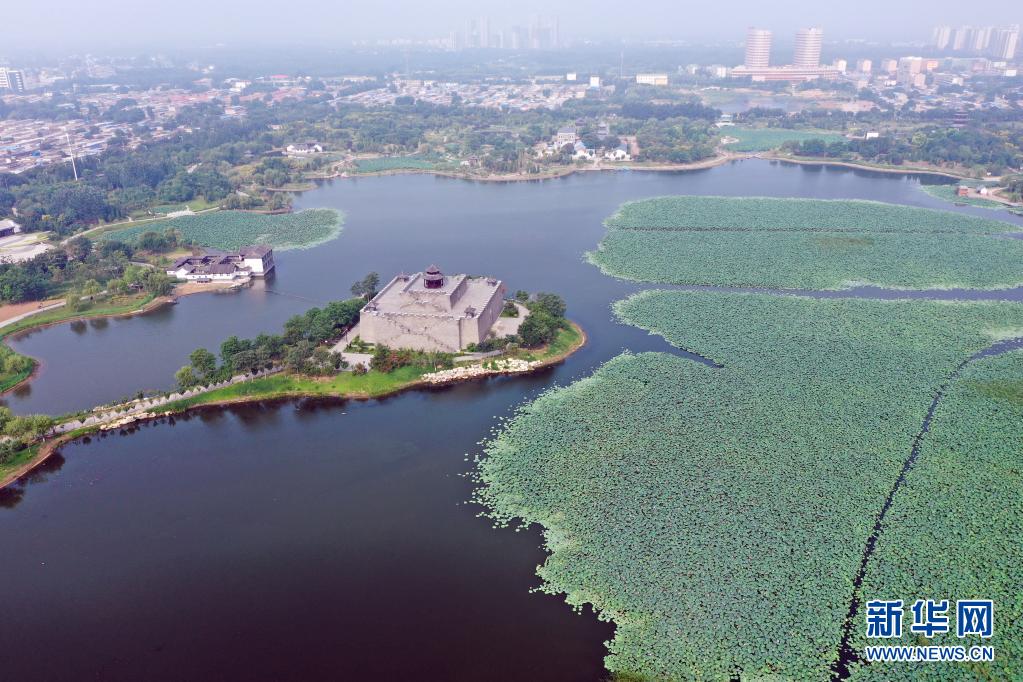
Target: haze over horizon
x: 192, y: 23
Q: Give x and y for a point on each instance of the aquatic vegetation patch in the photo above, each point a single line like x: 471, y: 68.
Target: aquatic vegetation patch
x: 234, y: 229
x: 811, y: 260
x: 766, y: 139
x: 718, y: 516
x: 953, y: 531
x: 805, y: 243
x: 769, y: 214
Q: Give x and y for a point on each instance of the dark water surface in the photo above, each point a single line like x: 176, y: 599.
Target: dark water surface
x: 310, y: 540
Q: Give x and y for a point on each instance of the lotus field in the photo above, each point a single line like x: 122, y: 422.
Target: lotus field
x: 954, y: 529
x: 718, y: 516
x: 800, y: 243
x: 771, y: 214
x: 231, y: 230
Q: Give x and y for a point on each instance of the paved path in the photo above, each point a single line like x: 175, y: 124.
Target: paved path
x: 30, y: 313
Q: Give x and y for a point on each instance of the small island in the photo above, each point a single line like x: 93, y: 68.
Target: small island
x: 419, y: 330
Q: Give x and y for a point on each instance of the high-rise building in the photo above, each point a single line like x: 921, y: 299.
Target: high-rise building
x: 12, y: 79
x: 961, y: 37
x: 941, y: 37
x: 808, y: 48
x: 864, y: 66
x: 980, y: 38
x: 758, y: 48
x: 1004, y: 42
x: 989, y: 40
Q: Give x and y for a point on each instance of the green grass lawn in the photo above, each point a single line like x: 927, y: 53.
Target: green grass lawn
x: 19, y: 459
x: 346, y: 384
x: 766, y: 139
x: 391, y: 163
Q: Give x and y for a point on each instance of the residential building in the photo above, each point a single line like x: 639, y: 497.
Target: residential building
x: 864, y: 66
x: 941, y: 37
x: 12, y: 79
x: 8, y: 227
x: 594, y: 81
x: 997, y: 42
x: 1004, y: 42
x: 566, y: 135
x: 758, y: 48
x: 303, y: 148
x: 430, y: 311
x: 651, y: 79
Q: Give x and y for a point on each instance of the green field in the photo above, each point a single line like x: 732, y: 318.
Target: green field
x: 766, y: 139
x: 799, y: 243
x: 394, y: 163
x: 718, y: 516
x: 235, y: 229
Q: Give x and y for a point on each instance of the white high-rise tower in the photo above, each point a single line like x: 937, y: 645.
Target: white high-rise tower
x: 758, y: 48
x: 808, y: 48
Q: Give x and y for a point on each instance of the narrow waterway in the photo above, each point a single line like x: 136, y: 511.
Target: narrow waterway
x: 306, y: 539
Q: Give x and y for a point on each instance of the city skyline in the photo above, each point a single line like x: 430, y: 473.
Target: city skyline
x: 114, y: 22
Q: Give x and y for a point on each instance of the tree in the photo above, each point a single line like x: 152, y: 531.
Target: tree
x: 186, y: 377
x: 552, y: 304
x: 367, y: 286
x: 73, y: 301
x: 538, y: 328
x: 204, y: 362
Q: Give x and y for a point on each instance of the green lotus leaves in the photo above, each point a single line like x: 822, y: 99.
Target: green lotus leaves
x: 804, y: 243
x: 718, y: 516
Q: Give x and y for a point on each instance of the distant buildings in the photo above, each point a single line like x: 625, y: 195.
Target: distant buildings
x: 651, y: 79
x: 303, y: 148
x: 220, y: 266
x: 540, y: 34
x: 430, y: 311
x: 997, y: 42
x: 808, y: 48
x: 12, y: 79
x: 758, y: 48
x: 806, y: 64
x: 566, y: 135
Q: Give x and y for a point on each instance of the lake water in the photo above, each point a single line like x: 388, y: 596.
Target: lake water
x: 326, y: 540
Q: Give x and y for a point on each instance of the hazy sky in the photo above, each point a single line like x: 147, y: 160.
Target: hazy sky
x: 158, y: 23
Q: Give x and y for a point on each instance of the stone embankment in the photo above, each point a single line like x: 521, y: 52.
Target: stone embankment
x: 509, y: 366
x: 116, y: 416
